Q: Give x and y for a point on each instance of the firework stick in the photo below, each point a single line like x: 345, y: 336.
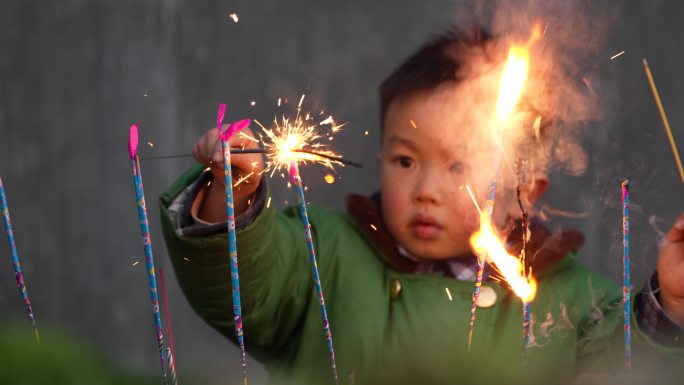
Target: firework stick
x: 21, y: 285
x: 303, y: 212
x: 626, y: 285
x: 656, y: 95
x: 172, y: 366
x: 147, y: 242
x: 526, y: 329
x: 166, y: 312
x: 489, y: 209
x: 230, y: 221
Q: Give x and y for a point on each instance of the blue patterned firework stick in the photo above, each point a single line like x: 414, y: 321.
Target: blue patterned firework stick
x: 526, y: 329
x: 232, y: 242
x: 489, y: 209
x: 303, y: 212
x: 147, y: 242
x: 15, y: 260
x: 626, y: 289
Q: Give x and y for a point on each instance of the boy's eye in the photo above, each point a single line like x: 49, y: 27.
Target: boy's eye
x: 404, y: 161
x: 458, y: 168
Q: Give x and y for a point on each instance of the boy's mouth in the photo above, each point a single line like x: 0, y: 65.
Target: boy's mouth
x: 424, y: 226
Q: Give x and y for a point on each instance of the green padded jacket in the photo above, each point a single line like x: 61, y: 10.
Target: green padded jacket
x: 390, y: 326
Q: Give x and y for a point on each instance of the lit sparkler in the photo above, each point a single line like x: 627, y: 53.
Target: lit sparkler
x: 284, y: 145
x: 298, y: 140
x: 488, y: 246
x: 511, y: 85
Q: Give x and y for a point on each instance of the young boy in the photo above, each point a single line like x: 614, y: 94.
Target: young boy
x: 397, y: 269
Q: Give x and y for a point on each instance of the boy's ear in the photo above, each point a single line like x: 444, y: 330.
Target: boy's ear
x: 541, y: 184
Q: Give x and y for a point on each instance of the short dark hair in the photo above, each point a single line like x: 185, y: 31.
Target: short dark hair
x: 436, y: 62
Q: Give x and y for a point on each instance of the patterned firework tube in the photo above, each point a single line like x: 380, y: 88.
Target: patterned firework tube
x: 230, y: 222
x: 476, y: 295
x: 172, y: 366
x: 21, y: 285
x: 147, y: 242
x: 489, y: 209
x: 526, y: 329
x: 303, y: 213
x: 626, y: 285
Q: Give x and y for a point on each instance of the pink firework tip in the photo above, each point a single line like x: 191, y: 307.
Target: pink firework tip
x: 293, y: 172
x: 221, y: 114
x: 133, y: 141
x: 233, y: 128
x: 625, y: 188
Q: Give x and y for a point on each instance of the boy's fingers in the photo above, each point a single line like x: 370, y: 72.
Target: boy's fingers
x: 196, y: 153
x: 217, y: 152
x: 676, y: 233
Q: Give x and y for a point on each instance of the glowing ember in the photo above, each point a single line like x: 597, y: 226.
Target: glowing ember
x: 617, y: 55
x: 287, y: 140
x: 252, y: 103
x: 329, y: 178
x: 234, y: 16
x: 486, y: 244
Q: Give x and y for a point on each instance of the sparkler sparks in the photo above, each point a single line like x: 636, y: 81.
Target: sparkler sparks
x: 617, y: 55
x: 486, y: 243
x: 286, y: 142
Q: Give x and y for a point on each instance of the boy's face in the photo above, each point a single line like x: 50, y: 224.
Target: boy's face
x: 428, y: 155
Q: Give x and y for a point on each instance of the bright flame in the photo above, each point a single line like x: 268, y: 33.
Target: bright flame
x: 290, y: 138
x: 512, y: 80
x: 514, y: 75
x: 486, y: 244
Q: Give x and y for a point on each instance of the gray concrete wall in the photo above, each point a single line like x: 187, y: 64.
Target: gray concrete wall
x: 75, y: 74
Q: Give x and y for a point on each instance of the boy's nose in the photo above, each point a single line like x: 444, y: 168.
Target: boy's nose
x: 428, y: 188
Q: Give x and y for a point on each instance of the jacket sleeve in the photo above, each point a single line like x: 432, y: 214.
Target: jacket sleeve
x: 601, y: 340
x: 275, y: 276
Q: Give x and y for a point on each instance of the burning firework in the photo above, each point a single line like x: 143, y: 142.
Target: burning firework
x: 299, y: 140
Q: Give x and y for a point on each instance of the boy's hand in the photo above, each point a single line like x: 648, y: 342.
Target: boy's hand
x: 246, y: 172
x: 671, y: 272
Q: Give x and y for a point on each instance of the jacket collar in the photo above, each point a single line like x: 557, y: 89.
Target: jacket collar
x: 543, y: 250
